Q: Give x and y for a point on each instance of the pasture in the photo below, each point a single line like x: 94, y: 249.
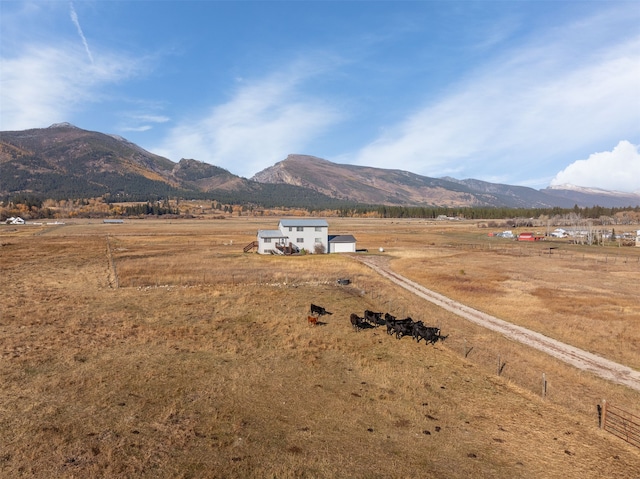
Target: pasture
x: 158, y: 349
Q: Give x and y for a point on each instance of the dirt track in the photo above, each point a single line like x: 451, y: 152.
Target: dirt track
x: 579, y: 358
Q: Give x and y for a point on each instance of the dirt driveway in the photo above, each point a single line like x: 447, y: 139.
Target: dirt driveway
x: 579, y: 358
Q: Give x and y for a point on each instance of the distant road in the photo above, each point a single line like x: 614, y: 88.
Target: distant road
x: 612, y: 371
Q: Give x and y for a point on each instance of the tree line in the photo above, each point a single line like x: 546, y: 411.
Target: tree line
x: 306, y: 201
x: 476, y: 213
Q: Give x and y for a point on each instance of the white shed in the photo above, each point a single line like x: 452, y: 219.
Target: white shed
x: 342, y: 244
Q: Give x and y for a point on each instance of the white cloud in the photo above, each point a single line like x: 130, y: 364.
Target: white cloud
x: 263, y: 123
x: 140, y: 128
x: 141, y: 122
x: 152, y: 118
x: 76, y: 22
x: 45, y: 84
x: 616, y: 170
x: 527, y: 109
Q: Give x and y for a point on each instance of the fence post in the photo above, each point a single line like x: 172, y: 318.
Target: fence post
x: 544, y: 385
x: 604, y: 414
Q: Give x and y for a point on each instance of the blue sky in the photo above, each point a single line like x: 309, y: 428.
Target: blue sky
x: 529, y: 93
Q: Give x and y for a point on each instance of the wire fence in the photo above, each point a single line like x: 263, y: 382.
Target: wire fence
x: 496, y: 355
x: 620, y: 423
x: 624, y: 256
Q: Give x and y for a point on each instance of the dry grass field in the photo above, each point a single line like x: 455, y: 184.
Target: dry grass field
x: 586, y: 296
x: 159, y: 349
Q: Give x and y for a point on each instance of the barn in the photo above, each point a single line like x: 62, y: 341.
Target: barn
x: 342, y: 244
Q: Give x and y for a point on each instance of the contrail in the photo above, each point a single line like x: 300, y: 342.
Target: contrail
x: 74, y: 19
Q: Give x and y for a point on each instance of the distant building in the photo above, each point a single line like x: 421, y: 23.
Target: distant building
x: 529, y: 237
x: 559, y: 233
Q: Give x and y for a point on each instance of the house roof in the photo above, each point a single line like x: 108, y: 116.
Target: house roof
x: 270, y: 234
x: 303, y: 222
x: 342, y: 239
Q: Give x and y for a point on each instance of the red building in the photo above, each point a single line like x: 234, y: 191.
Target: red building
x: 529, y: 237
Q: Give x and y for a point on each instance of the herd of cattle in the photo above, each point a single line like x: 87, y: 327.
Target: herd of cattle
x: 395, y: 326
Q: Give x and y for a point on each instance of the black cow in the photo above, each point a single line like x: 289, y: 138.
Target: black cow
x: 430, y: 334
x: 417, y: 327
x: 356, y: 321
x: 403, y: 327
x: 420, y: 331
x: 389, y: 321
x: 319, y: 310
x: 399, y: 327
x: 375, y: 319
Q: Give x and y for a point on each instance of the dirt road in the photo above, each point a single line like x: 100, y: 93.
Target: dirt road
x: 584, y: 360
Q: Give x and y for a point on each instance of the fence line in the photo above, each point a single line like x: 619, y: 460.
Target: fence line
x: 615, y: 420
x: 112, y: 265
x: 553, y: 251
x: 620, y: 423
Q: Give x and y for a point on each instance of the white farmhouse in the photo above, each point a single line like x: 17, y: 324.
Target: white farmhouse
x: 294, y: 235
x: 271, y: 241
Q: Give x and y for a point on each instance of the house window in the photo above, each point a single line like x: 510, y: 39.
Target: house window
x: 299, y: 240
x: 290, y: 228
x: 299, y: 228
x: 267, y: 240
x: 318, y: 240
x: 318, y: 228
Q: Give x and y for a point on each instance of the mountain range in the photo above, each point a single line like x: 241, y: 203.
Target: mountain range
x: 64, y: 161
